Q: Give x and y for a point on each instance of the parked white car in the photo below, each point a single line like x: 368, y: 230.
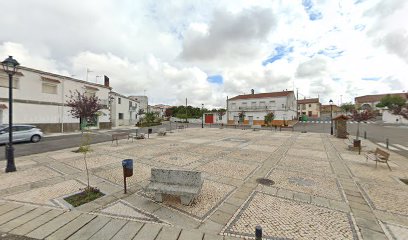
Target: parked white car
x: 21, y: 133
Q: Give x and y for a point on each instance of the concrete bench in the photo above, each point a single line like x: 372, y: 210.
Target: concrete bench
x: 256, y: 127
x: 183, y: 183
x: 161, y: 132
x: 117, y: 136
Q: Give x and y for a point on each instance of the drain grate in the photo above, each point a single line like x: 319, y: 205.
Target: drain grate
x: 265, y: 181
x: 404, y: 180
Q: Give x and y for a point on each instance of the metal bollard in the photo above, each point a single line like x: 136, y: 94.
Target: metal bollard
x: 258, y: 233
x: 386, y: 142
x: 365, y: 134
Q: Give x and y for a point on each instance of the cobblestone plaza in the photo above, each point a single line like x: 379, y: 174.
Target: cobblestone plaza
x: 320, y: 189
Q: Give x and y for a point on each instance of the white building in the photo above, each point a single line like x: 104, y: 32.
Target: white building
x: 40, y: 98
x: 124, y: 110
x: 143, y: 103
x: 159, y: 110
x: 251, y: 108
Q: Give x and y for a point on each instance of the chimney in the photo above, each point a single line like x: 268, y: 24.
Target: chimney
x: 106, y: 81
x: 252, y: 91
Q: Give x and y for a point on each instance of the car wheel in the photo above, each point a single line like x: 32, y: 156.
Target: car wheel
x: 35, y: 138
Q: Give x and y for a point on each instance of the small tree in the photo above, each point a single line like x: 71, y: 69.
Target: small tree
x: 269, y: 117
x: 361, y: 117
x: 241, y: 116
x: 82, y: 106
x: 85, y: 108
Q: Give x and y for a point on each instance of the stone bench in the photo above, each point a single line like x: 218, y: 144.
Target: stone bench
x: 256, y: 127
x: 117, y: 136
x: 183, y: 183
x: 161, y: 132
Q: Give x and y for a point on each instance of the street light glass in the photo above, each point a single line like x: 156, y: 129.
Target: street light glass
x: 10, y: 65
x: 331, y: 102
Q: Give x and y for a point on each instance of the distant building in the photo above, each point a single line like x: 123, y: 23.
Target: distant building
x: 159, y: 109
x: 325, y: 111
x: 309, y: 107
x: 369, y: 102
x: 143, y: 103
x: 251, y: 108
x: 124, y: 110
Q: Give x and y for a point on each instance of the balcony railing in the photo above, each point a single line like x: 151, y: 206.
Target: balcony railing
x: 132, y: 108
x: 254, y: 108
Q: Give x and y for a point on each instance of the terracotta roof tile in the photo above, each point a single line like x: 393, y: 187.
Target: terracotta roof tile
x: 310, y: 100
x: 262, y: 95
x: 377, y: 97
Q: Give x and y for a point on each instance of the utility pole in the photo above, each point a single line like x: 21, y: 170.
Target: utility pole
x: 186, y: 110
x: 297, y: 106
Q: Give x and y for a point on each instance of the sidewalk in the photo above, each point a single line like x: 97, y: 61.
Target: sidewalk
x: 295, y: 185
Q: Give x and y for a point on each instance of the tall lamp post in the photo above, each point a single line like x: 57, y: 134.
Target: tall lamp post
x: 202, y: 115
x: 331, y: 116
x: 10, y: 67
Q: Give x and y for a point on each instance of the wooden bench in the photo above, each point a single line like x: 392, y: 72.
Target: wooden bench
x: 378, y: 155
x: 285, y: 127
x: 161, y: 132
x: 183, y: 183
x: 117, y: 136
x: 256, y: 127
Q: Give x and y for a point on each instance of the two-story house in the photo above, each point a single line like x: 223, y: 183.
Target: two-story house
x: 252, y: 108
x: 40, y: 98
x: 124, y: 110
x: 309, y: 107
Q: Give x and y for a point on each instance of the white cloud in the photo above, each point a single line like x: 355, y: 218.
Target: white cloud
x: 170, y: 47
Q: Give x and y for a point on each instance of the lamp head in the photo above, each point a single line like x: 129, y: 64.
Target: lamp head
x: 10, y: 65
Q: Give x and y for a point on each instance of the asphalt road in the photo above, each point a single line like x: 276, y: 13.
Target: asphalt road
x: 376, y: 132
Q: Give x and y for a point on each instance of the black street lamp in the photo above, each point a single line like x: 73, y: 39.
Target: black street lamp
x: 202, y: 115
x: 10, y: 67
x: 331, y: 116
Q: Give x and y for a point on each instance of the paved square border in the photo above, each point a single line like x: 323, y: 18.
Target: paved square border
x: 226, y: 230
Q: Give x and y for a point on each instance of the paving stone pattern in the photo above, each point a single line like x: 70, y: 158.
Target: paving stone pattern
x: 321, y: 189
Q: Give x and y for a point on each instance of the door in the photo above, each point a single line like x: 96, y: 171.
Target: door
x: 209, y: 118
x: 250, y: 120
x: 1, y: 116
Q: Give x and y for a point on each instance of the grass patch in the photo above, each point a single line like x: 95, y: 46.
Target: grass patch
x: 85, y: 196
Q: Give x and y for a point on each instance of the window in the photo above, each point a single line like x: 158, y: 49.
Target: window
x: 244, y: 105
x: 310, y: 113
x: 120, y: 116
x: 303, y: 107
x: 262, y: 104
x: 253, y: 104
x: 4, y: 81
x: 283, y: 106
x: 49, y: 87
x: 233, y: 106
x: 119, y: 100
x: 130, y: 104
x: 310, y: 105
x: 272, y: 103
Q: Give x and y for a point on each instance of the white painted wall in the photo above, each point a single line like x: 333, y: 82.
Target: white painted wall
x: 388, y: 117
x: 284, y: 108
x: 30, y: 89
x: 130, y: 115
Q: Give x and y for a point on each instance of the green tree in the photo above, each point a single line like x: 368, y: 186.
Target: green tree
x: 348, y: 107
x: 391, y: 102
x: 268, y: 118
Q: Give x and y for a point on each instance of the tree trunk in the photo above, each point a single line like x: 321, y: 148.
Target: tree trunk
x: 87, y: 172
x: 358, y: 130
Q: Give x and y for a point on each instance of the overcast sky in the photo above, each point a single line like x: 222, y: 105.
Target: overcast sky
x: 208, y: 50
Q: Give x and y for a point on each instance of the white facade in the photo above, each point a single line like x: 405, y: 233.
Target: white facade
x: 143, y: 102
x: 40, y: 98
x: 124, y: 110
x: 254, y: 107
x: 388, y: 117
